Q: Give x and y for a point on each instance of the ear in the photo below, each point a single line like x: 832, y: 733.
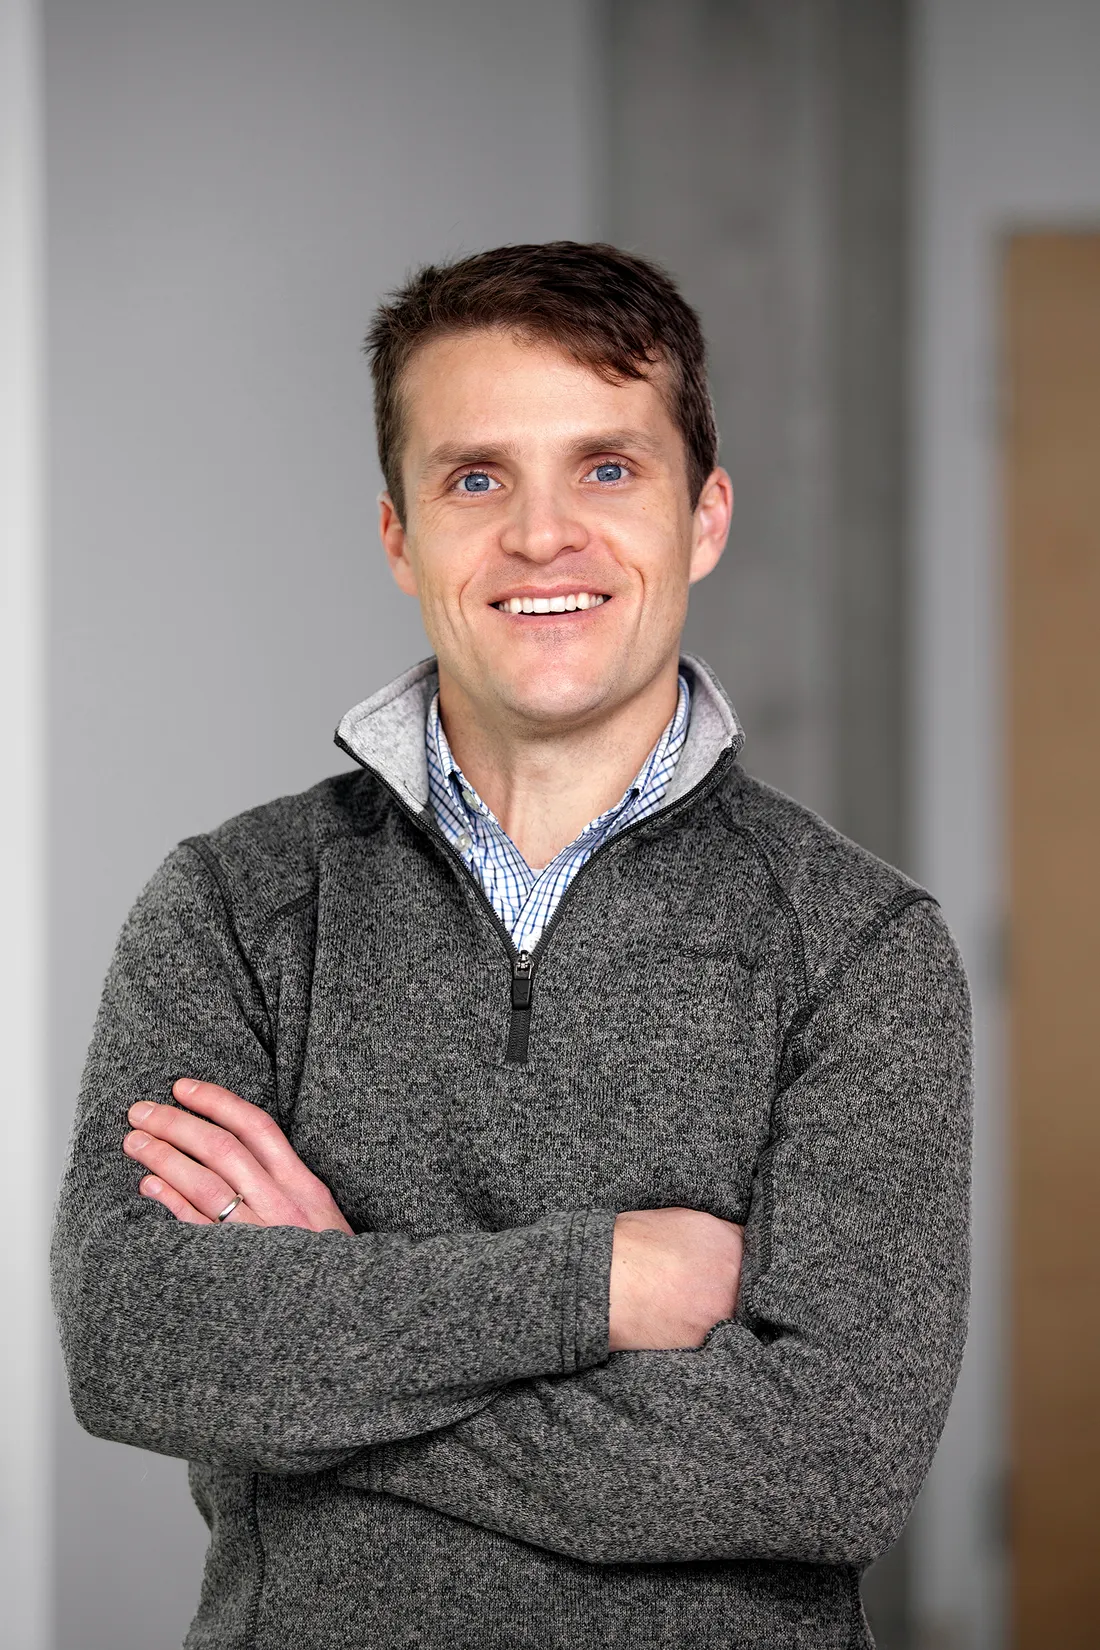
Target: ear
x: 710, y: 524
x: 395, y: 544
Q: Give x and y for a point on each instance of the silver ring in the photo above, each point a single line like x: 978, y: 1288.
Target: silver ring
x: 229, y: 1208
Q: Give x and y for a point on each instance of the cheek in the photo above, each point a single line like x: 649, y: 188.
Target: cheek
x: 657, y: 556
x: 444, y: 577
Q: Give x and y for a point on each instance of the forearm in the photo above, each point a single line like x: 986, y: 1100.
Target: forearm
x: 734, y: 1453
x: 291, y: 1350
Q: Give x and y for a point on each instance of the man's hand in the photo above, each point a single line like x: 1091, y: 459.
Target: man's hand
x: 675, y: 1273
x: 199, y: 1166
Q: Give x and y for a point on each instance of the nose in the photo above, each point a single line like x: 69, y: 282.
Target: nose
x: 542, y: 524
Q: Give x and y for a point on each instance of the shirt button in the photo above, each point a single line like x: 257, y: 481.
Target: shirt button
x: 465, y: 841
x: 468, y: 794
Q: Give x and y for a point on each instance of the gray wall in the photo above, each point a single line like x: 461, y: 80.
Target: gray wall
x: 25, y: 1420
x: 232, y: 184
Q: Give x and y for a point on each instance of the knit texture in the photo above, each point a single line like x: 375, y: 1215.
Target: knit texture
x: 416, y: 1436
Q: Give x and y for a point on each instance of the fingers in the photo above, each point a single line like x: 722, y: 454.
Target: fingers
x: 200, y: 1186
x: 159, y: 1191
x: 253, y: 1127
x: 257, y: 1131
x: 241, y: 1146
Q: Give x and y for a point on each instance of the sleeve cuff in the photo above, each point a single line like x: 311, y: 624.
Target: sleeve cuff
x: 586, y: 1291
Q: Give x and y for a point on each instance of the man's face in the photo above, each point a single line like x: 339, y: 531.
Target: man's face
x: 528, y: 477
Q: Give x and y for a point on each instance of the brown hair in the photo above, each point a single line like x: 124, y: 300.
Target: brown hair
x: 615, y: 312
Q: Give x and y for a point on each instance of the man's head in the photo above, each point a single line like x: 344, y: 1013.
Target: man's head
x: 545, y: 431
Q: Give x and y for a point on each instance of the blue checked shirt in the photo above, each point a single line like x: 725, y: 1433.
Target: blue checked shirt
x: 525, y: 899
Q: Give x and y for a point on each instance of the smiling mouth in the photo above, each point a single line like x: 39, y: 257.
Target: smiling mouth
x: 575, y: 602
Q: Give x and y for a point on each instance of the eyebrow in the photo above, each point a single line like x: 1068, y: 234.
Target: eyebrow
x: 450, y: 454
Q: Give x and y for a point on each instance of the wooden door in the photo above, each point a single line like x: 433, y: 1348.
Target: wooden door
x: 1051, y: 354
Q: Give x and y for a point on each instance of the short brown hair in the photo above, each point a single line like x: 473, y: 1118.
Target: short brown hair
x: 613, y: 311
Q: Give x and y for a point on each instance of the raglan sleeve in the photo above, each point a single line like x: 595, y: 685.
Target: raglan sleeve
x: 804, y: 1426
x: 275, y: 1348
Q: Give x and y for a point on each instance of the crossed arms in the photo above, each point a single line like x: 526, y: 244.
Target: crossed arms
x: 472, y: 1371
x: 674, y: 1272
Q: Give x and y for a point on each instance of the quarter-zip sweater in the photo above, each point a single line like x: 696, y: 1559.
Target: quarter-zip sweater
x: 416, y: 1436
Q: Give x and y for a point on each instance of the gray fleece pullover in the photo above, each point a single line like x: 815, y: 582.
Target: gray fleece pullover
x: 416, y: 1435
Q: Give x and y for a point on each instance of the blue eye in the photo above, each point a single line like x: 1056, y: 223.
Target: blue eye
x: 608, y: 472
x: 476, y: 481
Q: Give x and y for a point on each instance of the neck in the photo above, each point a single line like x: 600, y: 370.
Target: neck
x: 545, y: 785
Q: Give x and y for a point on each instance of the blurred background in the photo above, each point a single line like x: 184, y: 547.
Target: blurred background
x: 888, y: 214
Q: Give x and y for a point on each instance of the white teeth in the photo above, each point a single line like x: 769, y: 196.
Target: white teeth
x: 582, y: 600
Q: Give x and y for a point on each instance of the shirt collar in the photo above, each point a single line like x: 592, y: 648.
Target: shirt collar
x: 450, y: 791
x: 385, y: 733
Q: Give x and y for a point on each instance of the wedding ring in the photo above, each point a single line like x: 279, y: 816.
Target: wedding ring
x: 229, y: 1208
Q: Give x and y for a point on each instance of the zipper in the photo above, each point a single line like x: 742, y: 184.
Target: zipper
x: 519, y: 1026
x: 524, y: 963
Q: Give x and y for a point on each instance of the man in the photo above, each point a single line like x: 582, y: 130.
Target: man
x: 427, y: 1112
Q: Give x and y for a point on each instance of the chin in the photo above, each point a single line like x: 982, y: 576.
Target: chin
x: 554, y: 695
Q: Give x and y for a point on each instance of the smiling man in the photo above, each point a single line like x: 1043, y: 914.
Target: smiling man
x: 527, y: 1176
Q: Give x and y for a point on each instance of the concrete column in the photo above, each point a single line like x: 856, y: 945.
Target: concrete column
x: 755, y: 147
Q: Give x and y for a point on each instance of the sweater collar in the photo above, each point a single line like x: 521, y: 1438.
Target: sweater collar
x: 385, y: 733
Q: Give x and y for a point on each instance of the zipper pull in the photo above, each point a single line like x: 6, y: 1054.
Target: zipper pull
x: 519, y: 1026
x: 521, y: 981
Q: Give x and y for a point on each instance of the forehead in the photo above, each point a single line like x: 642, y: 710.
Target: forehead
x: 488, y: 384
